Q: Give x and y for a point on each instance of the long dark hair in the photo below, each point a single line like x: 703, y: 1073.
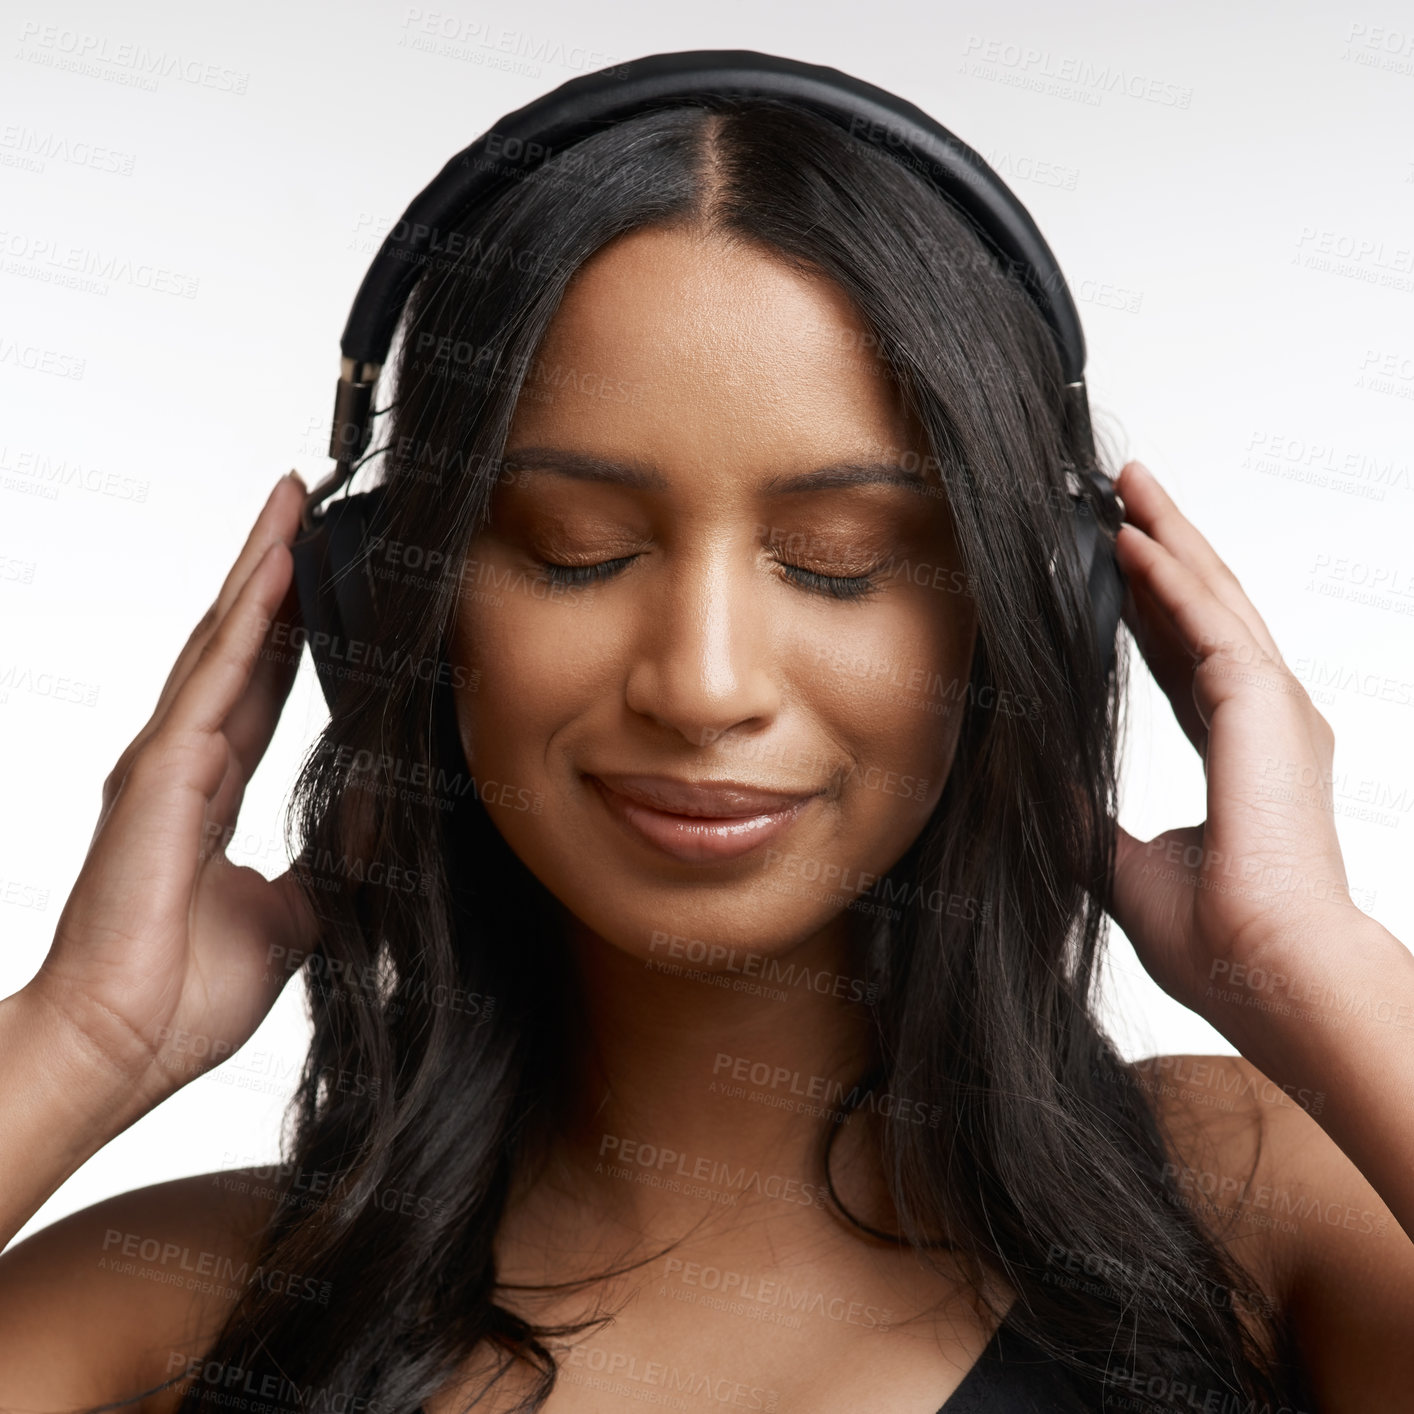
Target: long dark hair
x: 450, y: 997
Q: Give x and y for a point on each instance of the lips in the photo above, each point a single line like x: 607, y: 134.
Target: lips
x: 705, y: 799
x: 707, y: 834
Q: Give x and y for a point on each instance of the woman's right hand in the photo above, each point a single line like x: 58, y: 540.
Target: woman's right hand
x: 167, y: 956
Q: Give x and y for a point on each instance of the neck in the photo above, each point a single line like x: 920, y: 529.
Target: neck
x: 719, y: 1075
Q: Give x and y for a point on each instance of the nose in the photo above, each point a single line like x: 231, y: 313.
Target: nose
x: 704, y: 658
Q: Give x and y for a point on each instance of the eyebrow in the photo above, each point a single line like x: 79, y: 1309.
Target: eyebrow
x: 643, y: 476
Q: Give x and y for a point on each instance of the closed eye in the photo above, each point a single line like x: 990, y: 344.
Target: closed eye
x: 842, y: 587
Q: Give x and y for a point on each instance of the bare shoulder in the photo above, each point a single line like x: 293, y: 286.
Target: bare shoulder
x: 119, y: 1296
x: 1250, y: 1158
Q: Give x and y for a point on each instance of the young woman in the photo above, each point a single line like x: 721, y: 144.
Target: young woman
x: 700, y: 885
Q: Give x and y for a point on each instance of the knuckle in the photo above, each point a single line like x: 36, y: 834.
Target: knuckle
x: 166, y: 754
x: 113, y: 781
x: 216, y: 649
x: 229, y: 642
x: 206, y: 624
x: 149, y: 761
x: 1228, y: 578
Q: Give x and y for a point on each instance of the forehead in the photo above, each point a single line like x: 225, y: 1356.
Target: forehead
x: 693, y: 353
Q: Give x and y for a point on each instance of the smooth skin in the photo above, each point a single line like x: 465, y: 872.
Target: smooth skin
x: 710, y: 651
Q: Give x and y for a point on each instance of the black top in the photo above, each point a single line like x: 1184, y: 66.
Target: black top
x: 1012, y: 1375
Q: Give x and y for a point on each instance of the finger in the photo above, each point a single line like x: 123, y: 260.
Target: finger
x: 1167, y: 657
x: 223, y: 670
x: 1208, y: 630
x: 1152, y: 509
x: 302, y: 935
x: 1153, y: 889
x: 224, y: 808
x: 278, y: 518
x: 1117, y: 900
x: 252, y: 721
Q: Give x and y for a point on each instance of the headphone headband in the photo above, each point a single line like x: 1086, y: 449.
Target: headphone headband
x: 548, y: 125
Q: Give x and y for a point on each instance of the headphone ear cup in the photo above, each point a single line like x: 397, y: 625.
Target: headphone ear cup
x: 338, y: 602
x: 1104, y: 580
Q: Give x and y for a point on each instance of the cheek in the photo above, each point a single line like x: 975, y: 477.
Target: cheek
x: 892, y: 693
x: 528, y: 662
x: 894, y: 675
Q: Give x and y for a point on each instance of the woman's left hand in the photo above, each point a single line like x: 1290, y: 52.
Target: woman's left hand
x: 1261, y: 880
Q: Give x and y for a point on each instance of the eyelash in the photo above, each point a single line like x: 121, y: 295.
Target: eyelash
x: 845, y: 589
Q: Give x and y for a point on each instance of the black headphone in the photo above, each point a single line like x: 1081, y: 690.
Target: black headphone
x: 334, y: 582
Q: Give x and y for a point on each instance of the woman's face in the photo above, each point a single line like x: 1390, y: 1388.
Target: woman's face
x: 679, y: 429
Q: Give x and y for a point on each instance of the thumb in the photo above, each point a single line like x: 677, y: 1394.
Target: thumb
x: 1150, y: 891
x: 1128, y: 852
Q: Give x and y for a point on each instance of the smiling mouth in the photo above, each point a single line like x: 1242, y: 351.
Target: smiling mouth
x: 699, y: 839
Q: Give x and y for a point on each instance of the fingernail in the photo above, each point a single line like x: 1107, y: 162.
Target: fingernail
x: 275, y: 489
x: 293, y: 475
x: 1143, y: 470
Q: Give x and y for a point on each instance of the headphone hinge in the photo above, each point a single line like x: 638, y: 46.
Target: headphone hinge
x: 353, y: 401
x: 1079, y: 437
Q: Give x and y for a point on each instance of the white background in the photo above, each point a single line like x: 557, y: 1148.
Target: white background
x: 1191, y: 169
